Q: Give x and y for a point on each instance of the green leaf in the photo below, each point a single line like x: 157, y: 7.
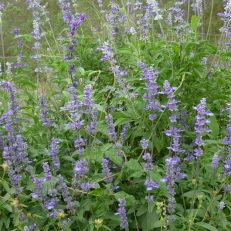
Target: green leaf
x: 134, y: 168
x: 195, y: 20
x: 214, y: 127
x: 206, y: 226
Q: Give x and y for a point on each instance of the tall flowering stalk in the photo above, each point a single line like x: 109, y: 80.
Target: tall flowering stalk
x: 64, y: 190
x: 48, y: 198
x: 121, y: 212
x: 89, y: 109
x: 16, y: 158
x: 91, y: 127
x: 15, y: 150
x: 53, y: 153
x: 115, y: 19
x: 173, y: 132
x: 227, y: 143
x: 16, y: 32
x: 38, y: 12
x: 149, y: 75
x: 106, y: 170
x: 201, y: 126
x: 123, y: 133
x: 197, y: 7
x: 10, y: 117
x: 43, y: 117
x: 80, y: 144
x: 75, y: 110
x: 108, y: 55
x: 226, y: 17
x: 73, y: 21
x: 175, y: 18
x: 80, y: 169
x: 152, y: 11
x: 173, y: 173
x: 148, y: 167
x: 111, y: 128
x: 172, y: 164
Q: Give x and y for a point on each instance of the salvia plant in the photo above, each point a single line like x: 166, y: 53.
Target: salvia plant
x: 115, y: 115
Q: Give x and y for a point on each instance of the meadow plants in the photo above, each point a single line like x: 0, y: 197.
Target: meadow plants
x: 129, y: 129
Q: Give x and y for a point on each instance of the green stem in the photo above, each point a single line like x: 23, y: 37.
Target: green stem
x: 2, y: 42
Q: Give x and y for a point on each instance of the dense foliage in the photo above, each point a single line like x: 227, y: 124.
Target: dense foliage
x: 121, y: 125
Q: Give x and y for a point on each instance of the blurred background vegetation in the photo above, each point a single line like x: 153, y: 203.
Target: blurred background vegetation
x: 16, y: 15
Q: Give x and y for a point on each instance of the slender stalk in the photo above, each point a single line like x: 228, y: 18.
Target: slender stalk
x: 2, y: 42
x: 210, y: 19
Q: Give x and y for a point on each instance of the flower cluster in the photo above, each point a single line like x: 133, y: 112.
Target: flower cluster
x: 150, y: 77
x: 16, y: 32
x: 80, y: 169
x: 111, y: 128
x: 200, y: 126
x: 80, y: 145
x: 114, y: 20
x: 88, y: 108
x: 173, y: 173
x: 53, y: 153
x: 175, y: 18
x: 63, y: 189
x: 38, y: 13
x: 50, y: 198
x: 121, y: 212
x: 43, y: 117
x: 75, y: 110
x: 148, y: 166
x: 15, y: 149
x: 106, y: 170
x: 73, y: 21
x: 226, y: 16
x: 16, y: 158
x: 123, y: 133
x: 227, y: 143
x: 197, y: 7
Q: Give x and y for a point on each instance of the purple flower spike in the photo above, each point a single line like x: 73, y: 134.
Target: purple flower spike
x: 2, y: 6
x: 87, y: 101
x: 173, y: 173
x: 80, y: 145
x: 80, y: 169
x: 73, y: 21
x: 144, y: 144
x: 148, y: 166
x: 215, y: 161
x: 227, y: 188
x: 107, y: 52
x: 124, y: 131
x: 200, y: 125
x: 47, y: 172
x: 227, y: 143
x: 106, y: 170
x: 53, y: 152
x: 221, y: 205
x: 226, y: 17
x: 150, y: 77
x: 121, y: 212
x: 43, y: 117
x: 87, y: 186
x: 111, y: 128
x: 150, y: 184
x: 63, y: 189
x: 75, y: 110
